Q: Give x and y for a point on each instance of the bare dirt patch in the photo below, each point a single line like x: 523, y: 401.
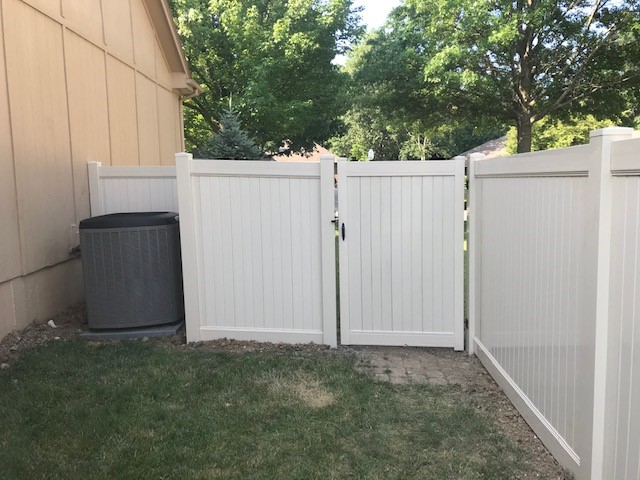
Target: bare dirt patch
x: 68, y: 324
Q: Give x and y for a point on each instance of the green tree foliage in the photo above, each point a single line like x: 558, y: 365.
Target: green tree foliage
x: 490, y: 63
x: 364, y: 130
x: 551, y: 133
x: 231, y: 142
x: 273, y: 57
x: 393, y: 139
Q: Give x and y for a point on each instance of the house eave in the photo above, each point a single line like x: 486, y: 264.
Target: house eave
x: 165, y: 27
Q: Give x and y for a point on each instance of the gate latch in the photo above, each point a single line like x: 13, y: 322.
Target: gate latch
x: 343, y: 231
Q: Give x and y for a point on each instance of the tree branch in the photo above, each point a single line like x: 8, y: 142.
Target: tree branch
x: 214, y: 124
x: 593, y: 88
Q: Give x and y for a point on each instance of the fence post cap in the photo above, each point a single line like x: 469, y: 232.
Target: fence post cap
x: 327, y: 158
x: 476, y: 156
x: 609, y: 131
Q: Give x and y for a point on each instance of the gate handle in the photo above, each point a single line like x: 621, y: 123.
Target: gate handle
x: 343, y: 231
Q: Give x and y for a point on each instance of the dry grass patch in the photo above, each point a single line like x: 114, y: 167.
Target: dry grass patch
x: 302, y: 387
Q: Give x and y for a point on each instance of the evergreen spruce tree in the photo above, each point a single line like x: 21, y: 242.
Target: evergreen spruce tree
x: 231, y: 142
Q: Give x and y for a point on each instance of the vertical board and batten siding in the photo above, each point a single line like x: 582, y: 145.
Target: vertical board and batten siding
x: 622, y: 438
x: 40, y: 132
x: 529, y: 224
x: 75, y: 93
x: 80, y: 80
x: 256, y: 265
x: 10, y: 261
x: 401, y: 260
x: 132, y: 189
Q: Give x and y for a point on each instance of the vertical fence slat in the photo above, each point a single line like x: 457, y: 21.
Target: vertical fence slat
x: 406, y: 234
x: 364, y: 246
x: 396, y: 254
x: 416, y: 253
x: 377, y: 234
x: 268, y: 253
x: 386, y: 234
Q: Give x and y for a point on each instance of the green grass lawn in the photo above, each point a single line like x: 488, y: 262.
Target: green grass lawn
x: 74, y: 410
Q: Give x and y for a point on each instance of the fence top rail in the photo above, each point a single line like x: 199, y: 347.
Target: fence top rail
x: 402, y: 168
x: 254, y: 168
x: 563, y: 162
x: 625, y: 157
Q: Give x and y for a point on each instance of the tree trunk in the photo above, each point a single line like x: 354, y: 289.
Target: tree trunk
x: 524, y: 133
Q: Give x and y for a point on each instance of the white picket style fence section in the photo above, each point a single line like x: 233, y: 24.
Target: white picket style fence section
x: 401, y: 258
x: 540, y: 313
x: 258, y: 250
x: 131, y: 189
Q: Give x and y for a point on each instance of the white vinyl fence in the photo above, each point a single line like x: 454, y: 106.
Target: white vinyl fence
x: 622, y: 411
x: 258, y: 250
x: 554, y: 270
x: 131, y: 189
x: 401, y: 253
x: 552, y: 295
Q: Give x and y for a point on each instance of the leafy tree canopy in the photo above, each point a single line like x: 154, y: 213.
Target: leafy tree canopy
x: 274, y: 59
x: 500, y: 62
x: 393, y: 139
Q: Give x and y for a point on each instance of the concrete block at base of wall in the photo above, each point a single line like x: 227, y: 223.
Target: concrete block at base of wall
x: 39, y: 295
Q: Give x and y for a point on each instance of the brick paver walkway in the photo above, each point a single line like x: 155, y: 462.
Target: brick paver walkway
x: 437, y: 366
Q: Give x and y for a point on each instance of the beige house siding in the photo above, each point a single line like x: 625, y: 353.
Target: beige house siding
x: 80, y: 80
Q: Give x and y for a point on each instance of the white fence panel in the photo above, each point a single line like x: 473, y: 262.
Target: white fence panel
x: 532, y: 291
x: 401, y: 258
x: 258, y: 250
x: 131, y: 189
x: 622, y: 436
x: 539, y: 287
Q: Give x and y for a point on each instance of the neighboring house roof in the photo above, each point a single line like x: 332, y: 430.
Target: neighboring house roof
x: 493, y: 148
x: 162, y: 20
x: 313, y: 156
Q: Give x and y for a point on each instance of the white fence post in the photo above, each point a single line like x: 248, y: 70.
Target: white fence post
x: 473, y: 252
x: 602, y: 194
x: 458, y: 275
x: 328, y: 247
x: 95, y: 189
x: 188, y: 239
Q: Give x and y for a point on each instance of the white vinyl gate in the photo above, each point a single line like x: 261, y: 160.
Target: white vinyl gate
x: 258, y: 250
x: 401, y: 253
